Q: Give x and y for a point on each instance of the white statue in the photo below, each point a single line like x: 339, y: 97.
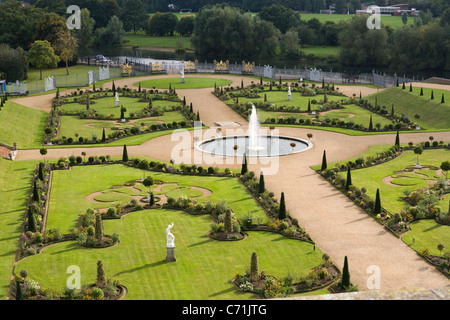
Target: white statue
x: 289, y: 94
x: 170, y: 237
x: 117, y: 99
x: 182, y: 75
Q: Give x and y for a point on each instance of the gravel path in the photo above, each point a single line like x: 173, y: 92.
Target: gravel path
x: 338, y: 227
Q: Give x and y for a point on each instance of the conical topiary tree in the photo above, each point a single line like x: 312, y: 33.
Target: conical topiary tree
x: 421, y: 91
x: 377, y: 206
x: 309, y: 105
x: 103, y: 135
x: 397, y: 139
x: 261, y: 186
x: 98, y: 227
x: 324, y: 161
x: 244, y: 167
x: 101, y: 279
x: 348, y: 182
x: 19, y: 293
x: 36, y: 193
x: 392, y: 110
x: 403, y: 87
x: 125, y: 153
x: 31, y: 226
x: 442, y: 99
x: 370, y: 124
x: 432, y: 95
x: 41, y: 171
x: 254, y: 268
x: 114, y: 88
x: 410, y: 87
x: 282, y: 213
x: 228, y: 222
x: 345, y: 274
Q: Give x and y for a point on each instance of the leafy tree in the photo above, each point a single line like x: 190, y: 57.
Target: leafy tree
x: 143, y: 165
x: 13, y: 63
x: 15, y: 20
x: 404, y: 18
x: 223, y: 32
x: 111, y: 35
x: 283, y: 18
x: 185, y: 26
x: 148, y: 182
x: 42, y: 56
x: 445, y: 166
x: 56, y: 6
x: 441, y: 248
x: 418, y: 151
x: 49, y: 26
x: 84, y: 35
x: 133, y: 15
x: 361, y: 46
x: 66, y: 47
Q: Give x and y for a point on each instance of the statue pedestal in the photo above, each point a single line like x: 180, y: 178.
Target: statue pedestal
x: 170, y: 254
x: 117, y: 104
x: 289, y: 97
x: 182, y: 79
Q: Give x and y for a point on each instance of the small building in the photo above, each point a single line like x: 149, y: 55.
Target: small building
x: 2, y: 87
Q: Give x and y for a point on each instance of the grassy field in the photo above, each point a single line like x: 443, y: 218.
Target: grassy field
x: 67, y: 203
x: 434, y: 115
x: 321, y: 51
x: 22, y: 125
x: 371, y: 178
x: 144, y: 41
x: 190, y: 83
x: 203, y: 270
x: 72, y: 126
x: 392, y: 21
x: 15, y: 179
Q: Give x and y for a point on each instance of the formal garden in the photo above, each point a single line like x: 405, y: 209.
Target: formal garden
x: 103, y: 116
x: 112, y: 230
x: 405, y: 188
x: 313, y: 104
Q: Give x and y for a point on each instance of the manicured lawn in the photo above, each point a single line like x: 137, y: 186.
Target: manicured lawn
x: 371, y: 178
x: 190, y: 83
x: 433, y: 114
x: 428, y: 234
x: 67, y: 202
x: 71, y: 125
x: 350, y: 112
x: 22, y: 124
x: 107, y: 106
x: 80, y: 70
x: 203, y: 270
x: 15, y: 180
x: 280, y: 98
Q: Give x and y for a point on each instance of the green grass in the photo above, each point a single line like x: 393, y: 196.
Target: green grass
x: 15, y: 180
x: 433, y: 114
x: 280, y: 98
x: 22, y: 124
x: 392, y: 21
x: 80, y: 70
x: 67, y: 203
x: 371, y: 178
x: 71, y: 125
x: 321, y: 51
x: 144, y: 41
x: 349, y: 113
x: 190, y: 83
x: 427, y: 234
x: 203, y: 270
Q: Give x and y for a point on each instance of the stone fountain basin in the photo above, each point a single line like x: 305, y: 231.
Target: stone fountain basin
x: 267, y: 146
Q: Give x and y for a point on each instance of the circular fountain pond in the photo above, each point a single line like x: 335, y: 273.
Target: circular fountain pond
x: 264, y: 146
